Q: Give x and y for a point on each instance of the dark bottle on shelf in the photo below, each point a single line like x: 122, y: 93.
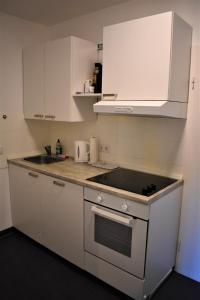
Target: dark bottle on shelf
x: 97, y: 82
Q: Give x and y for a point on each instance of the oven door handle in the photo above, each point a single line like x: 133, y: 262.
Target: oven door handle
x: 111, y: 216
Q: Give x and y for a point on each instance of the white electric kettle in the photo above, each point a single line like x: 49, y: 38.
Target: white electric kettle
x: 82, y: 151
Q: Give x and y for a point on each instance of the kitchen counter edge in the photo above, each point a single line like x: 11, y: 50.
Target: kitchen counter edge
x: 97, y: 186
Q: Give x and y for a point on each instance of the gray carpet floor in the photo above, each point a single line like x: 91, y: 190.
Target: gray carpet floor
x: 31, y: 272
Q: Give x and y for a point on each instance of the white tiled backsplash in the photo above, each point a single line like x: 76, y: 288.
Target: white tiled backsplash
x: 151, y: 144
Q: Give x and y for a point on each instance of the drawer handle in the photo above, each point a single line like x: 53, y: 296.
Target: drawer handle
x: 38, y: 116
x: 50, y: 117
x: 33, y: 175
x: 59, y: 183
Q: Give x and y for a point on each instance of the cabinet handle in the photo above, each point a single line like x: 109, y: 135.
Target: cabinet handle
x: 59, y: 183
x: 38, y: 116
x: 33, y: 175
x: 50, y: 117
x: 109, y: 97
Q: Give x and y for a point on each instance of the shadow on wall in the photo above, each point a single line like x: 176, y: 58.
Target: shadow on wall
x: 153, y: 144
x: 38, y: 133
x: 20, y: 137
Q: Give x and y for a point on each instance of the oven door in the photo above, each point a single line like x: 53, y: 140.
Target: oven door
x: 116, y: 238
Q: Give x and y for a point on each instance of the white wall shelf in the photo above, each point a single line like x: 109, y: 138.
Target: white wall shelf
x: 86, y: 95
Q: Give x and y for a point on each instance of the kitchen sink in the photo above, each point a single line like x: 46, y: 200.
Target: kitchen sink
x: 43, y: 159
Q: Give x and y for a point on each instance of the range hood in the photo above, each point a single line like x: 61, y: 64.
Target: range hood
x: 170, y: 109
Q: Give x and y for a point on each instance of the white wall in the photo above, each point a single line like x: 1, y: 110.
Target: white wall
x: 91, y: 26
x: 16, y: 135
x: 159, y: 145
x: 188, y: 261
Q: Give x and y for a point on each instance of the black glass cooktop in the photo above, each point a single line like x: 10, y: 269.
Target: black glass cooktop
x: 133, y: 181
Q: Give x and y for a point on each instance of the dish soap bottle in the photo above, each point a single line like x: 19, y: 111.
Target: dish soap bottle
x: 58, y: 147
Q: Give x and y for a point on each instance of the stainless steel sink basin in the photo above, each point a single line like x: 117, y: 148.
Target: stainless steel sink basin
x: 43, y: 159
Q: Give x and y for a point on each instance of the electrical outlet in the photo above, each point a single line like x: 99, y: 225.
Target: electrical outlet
x: 105, y: 148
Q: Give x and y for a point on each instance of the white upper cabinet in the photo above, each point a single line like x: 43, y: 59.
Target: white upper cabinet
x: 57, y: 79
x: 53, y: 72
x: 33, y: 67
x: 147, y: 59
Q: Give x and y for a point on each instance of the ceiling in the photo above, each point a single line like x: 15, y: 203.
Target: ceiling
x: 51, y: 12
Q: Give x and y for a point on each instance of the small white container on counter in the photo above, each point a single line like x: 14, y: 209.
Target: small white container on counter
x: 87, y: 85
x: 93, y: 150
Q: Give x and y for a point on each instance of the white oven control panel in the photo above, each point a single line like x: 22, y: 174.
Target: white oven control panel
x: 120, y: 204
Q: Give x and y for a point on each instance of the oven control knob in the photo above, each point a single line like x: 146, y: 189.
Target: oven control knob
x: 124, y: 207
x: 99, y: 199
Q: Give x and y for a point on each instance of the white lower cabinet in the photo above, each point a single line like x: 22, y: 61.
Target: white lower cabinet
x: 5, y: 215
x: 48, y: 210
x: 63, y: 219
x: 26, y: 201
x: 51, y: 211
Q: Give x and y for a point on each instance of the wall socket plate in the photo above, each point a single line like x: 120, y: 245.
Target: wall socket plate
x: 105, y: 148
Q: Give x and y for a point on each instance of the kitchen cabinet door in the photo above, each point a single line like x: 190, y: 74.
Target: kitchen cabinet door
x: 147, y: 59
x: 68, y: 63
x: 57, y: 79
x: 26, y: 188
x: 33, y: 71
x: 63, y: 219
x: 5, y: 214
x: 53, y: 73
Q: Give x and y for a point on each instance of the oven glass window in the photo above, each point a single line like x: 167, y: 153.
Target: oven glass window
x: 113, y: 235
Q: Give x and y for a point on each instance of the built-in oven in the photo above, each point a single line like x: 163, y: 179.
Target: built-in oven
x: 114, y: 235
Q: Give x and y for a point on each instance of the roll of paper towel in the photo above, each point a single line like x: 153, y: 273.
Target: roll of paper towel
x: 93, y: 150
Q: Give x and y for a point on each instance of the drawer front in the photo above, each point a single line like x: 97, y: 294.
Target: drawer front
x: 135, y: 209
x: 125, y: 282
